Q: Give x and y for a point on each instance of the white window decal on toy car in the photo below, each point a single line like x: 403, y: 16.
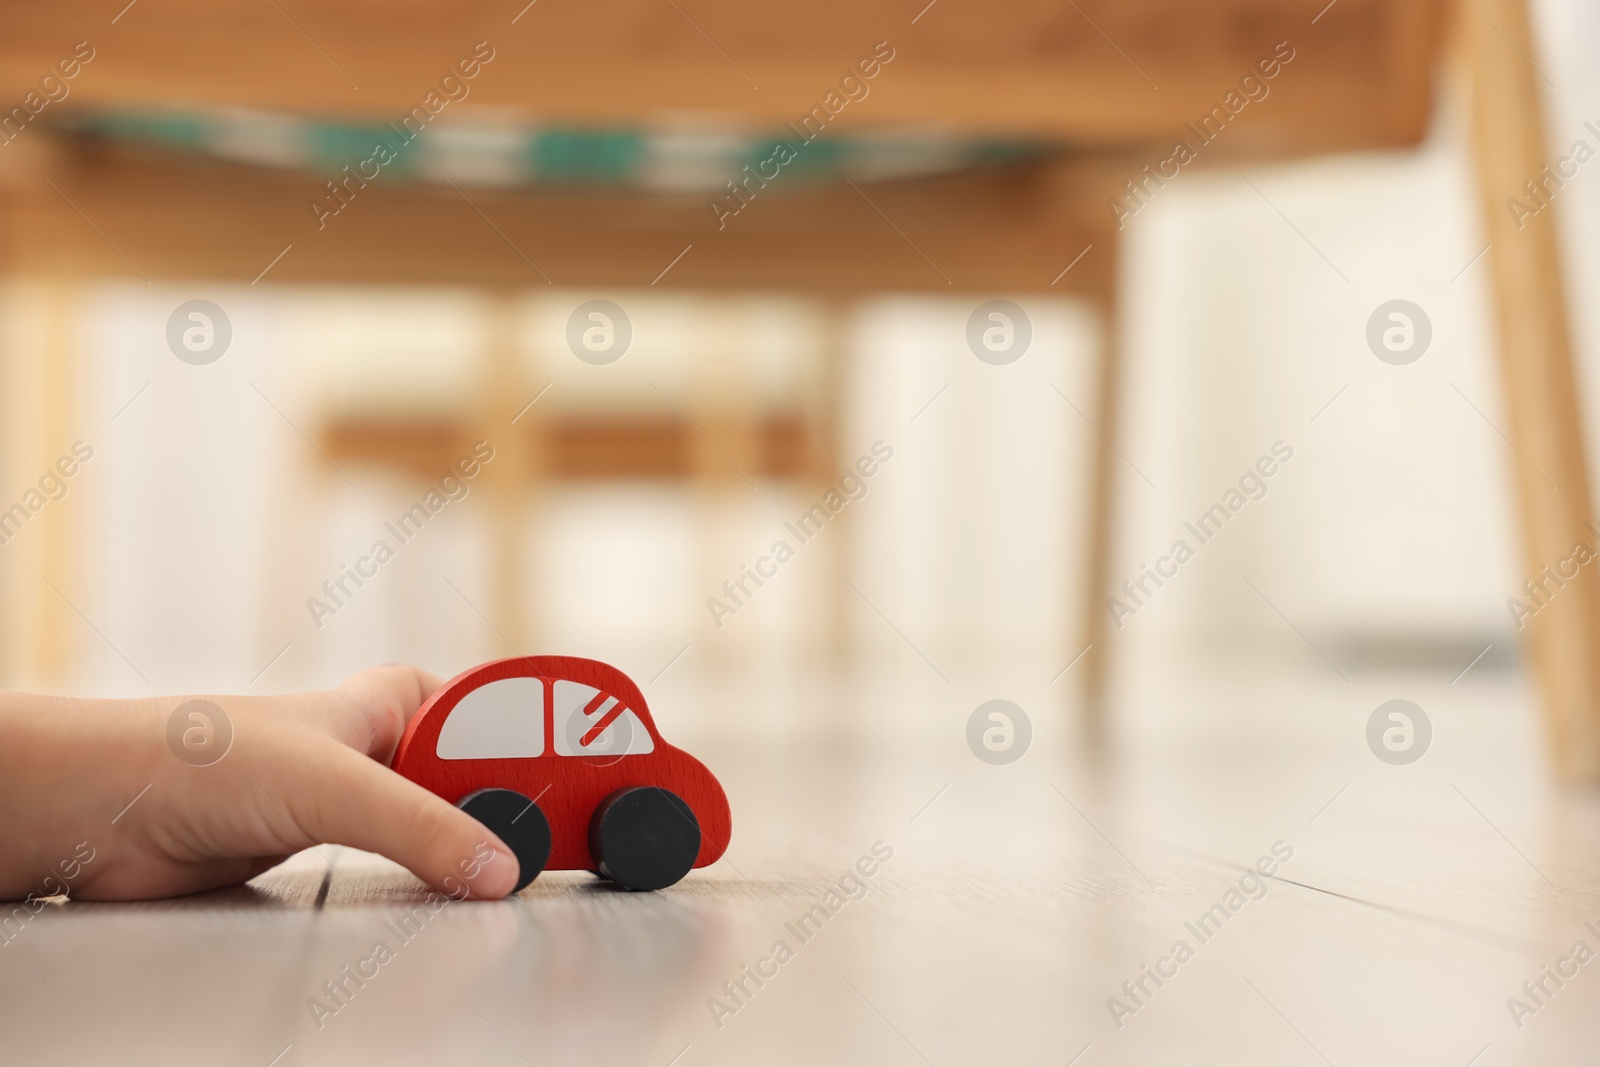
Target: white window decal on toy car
x: 497, y: 720
x: 589, y: 722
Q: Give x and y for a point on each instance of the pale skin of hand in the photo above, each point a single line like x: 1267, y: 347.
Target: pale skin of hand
x: 303, y: 769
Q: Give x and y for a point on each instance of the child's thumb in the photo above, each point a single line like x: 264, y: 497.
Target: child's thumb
x: 358, y: 802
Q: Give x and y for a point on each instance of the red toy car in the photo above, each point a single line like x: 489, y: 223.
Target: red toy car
x: 560, y: 758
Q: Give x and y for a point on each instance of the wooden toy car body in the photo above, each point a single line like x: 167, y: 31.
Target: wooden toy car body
x: 565, y: 732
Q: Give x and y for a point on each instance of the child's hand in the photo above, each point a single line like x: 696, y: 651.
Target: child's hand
x: 300, y: 770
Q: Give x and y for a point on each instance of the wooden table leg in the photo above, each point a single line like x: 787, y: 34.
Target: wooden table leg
x: 1563, y: 637
x: 1097, y: 629
x: 510, y: 477
x: 56, y: 561
x: 824, y: 413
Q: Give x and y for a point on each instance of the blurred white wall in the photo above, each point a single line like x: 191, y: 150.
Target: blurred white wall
x: 180, y: 512
x: 1392, y: 534
x: 1251, y: 292
x: 974, y: 543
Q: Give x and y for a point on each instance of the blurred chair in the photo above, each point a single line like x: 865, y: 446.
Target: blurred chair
x: 720, y: 433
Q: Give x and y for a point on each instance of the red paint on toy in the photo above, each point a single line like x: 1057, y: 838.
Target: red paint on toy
x: 567, y: 788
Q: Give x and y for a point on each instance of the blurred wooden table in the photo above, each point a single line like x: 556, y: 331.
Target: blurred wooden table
x: 1107, y: 85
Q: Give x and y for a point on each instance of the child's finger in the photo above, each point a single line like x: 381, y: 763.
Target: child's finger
x: 392, y: 694
x: 349, y: 799
x: 369, y: 712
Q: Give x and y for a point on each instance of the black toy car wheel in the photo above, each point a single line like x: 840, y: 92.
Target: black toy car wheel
x: 518, y: 822
x: 644, y: 838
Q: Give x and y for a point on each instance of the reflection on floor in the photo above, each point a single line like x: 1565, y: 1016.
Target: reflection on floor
x: 893, y: 899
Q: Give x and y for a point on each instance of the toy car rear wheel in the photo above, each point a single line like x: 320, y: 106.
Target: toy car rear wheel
x: 644, y: 838
x: 518, y: 822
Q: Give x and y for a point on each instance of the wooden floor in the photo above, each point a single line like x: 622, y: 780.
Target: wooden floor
x: 1018, y: 900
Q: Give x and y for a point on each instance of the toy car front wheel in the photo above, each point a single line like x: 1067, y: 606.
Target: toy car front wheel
x: 644, y: 838
x: 518, y: 822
